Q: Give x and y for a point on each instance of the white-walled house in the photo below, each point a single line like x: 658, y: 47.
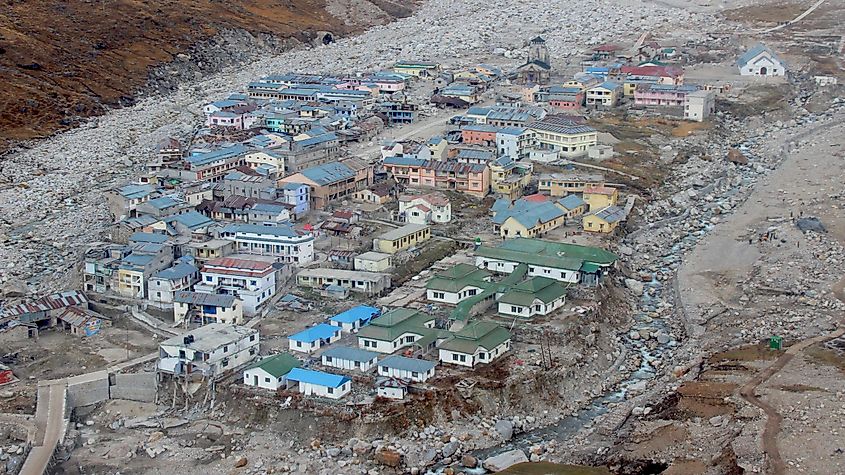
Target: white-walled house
x: 270, y: 372
x: 476, y: 343
x: 397, y: 329
x: 535, y: 296
x: 344, y: 357
x: 280, y: 241
x: 760, y: 61
x: 210, y: 351
x: 457, y: 284
x: 412, y: 369
x: 354, y: 318
x: 318, y: 383
x: 431, y: 208
x: 313, y: 338
x: 252, y: 281
x: 204, y: 308
x: 391, y: 388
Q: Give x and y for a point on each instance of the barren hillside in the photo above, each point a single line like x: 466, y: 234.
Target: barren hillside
x: 64, y: 60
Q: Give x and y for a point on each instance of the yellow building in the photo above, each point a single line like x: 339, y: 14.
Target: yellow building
x: 265, y: 157
x: 508, y: 178
x: 130, y: 283
x: 598, y: 197
x: 418, y: 69
x: 605, y: 220
x: 526, y: 217
x: 402, y: 238
x: 562, y: 184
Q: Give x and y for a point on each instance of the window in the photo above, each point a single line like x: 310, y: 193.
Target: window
x: 208, y: 278
x: 225, y: 363
x: 158, y: 294
x: 414, y: 374
x: 252, y: 282
x: 454, y: 357
x: 384, y: 369
x: 226, y: 349
x: 252, y: 338
x: 266, y: 380
x: 328, y: 359
x: 299, y: 344
x: 331, y: 390
x: 463, y: 358
x: 357, y: 364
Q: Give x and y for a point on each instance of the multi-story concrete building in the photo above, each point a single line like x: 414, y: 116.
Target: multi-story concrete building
x: 332, y: 181
x: 699, y: 105
x: 253, y: 281
x: 469, y: 178
x: 668, y: 95
x: 210, y: 351
x: 368, y: 283
x: 562, y: 184
x: 281, y: 241
x: 563, y: 137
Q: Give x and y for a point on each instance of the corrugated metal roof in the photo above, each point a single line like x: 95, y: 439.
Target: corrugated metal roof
x: 322, y: 331
x: 328, y: 173
x: 202, y: 298
x: 318, y: 378
x: 407, y: 364
x: 349, y: 353
x: 356, y: 314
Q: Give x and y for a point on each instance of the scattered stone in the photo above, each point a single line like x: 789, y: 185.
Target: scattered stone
x: 504, y: 460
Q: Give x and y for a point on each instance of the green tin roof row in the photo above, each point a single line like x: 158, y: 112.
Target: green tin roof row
x: 537, y: 288
x: 487, y: 335
x: 277, y: 365
x: 394, y: 323
x: 547, y: 253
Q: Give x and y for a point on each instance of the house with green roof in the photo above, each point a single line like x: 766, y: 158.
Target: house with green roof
x: 399, y: 328
x: 270, y: 372
x: 456, y: 284
x: 556, y: 260
x: 477, y: 343
x: 535, y: 296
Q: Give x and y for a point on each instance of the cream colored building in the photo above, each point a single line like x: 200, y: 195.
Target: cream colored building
x: 566, y: 140
x: 373, y: 262
x: 562, y: 184
x: 402, y: 238
x: 598, y: 197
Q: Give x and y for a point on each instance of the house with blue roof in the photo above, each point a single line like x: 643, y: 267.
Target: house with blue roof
x: 318, y: 383
x: 411, y: 369
x: 164, y: 284
x: 606, y: 94
x: 332, y: 181
x: 572, y: 205
x: 759, y: 60
x: 313, y: 338
x: 184, y: 224
x: 354, y: 318
x: 161, y: 206
x: 532, y: 216
x: 123, y: 201
x: 139, y: 264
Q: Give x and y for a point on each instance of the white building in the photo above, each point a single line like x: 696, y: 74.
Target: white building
x: 699, y: 105
x: 412, y: 369
x: 164, y: 284
x: 760, y: 61
x: 372, y: 261
x: 252, y: 281
x: 456, y: 284
x: 344, y: 357
x: 271, y: 372
x: 318, y: 383
x: 369, y: 283
x: 391, y: 388
x: 280, y: 241
x: 397, y: 329
x: 203, y: 308
x: 314, y: 338
x: 476, y: 343
x: 425, y: 209
x: 535, y: 296
x: 209, y: 351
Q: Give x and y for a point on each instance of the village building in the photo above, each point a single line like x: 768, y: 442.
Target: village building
x: 598, y: 197
x: 314, y: 338
x: 606, y: 94
x: 391, y: 388
x: 204, y: 251
x: 318, y: 383
x: 368, y: 283
x: 508, y: 178
x: 457, y: 284
x: 699, y: 105
x: 213, y: 165
x: 469, y: 178
x: 562, y: 184
x: 333, y: 181
x: 280, y: 241
x: 250, y: 280
x: 271, y: 372
x: 81, y: 321
x: 556, y: 260
x: 377, y: 194
x: 572, y: 206
x: 532, y: 216
x: 164, y: 284
x: 297, y: 195
x: 537, y: 70
x: 560, y: 136
x: 476, y: 343
x: 420, y: 69
x: 397, y: 329
x: 350, y: 359
x: 534, y: 296
x: 604, y: 220
x: 372, y: 261
x: 396, y: 240
x: 139, y: 264
x: 430, y: 208
x: 204, y: 308
x: 123, y: 201
x: 43, y: 312
x: 355, y: 318
x: 760, y: 61
x: 210, y: 351
x: 161, y: 206
x: 411, y: 369
x: 666, y: 95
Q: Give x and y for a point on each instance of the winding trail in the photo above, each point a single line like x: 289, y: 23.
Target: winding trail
x: 796, y: 19
x: 773, y: 418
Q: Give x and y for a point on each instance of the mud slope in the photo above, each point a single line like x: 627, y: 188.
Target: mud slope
x: 63, y: 60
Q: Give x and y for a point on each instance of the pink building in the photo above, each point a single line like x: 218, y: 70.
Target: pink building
x: 470, y: 178
x: 662, y: 94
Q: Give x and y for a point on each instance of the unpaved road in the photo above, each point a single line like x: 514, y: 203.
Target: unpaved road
x: 773, y: 417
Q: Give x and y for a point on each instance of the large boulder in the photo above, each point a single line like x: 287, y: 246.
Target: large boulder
x: 504, y: 428
x: 505, y: 460
x: 735, y: 156
x: 389, y: 457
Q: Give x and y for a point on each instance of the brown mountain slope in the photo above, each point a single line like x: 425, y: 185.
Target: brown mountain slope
x: 60, y: 59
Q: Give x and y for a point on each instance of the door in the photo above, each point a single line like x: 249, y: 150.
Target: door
x: 763, y: 71
x: 255, y: 380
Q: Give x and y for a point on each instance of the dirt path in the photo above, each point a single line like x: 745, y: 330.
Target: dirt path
x: 773, y: 418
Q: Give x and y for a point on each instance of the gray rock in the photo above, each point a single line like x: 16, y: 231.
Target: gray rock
x: 449, y: 449
x: 504, y: 428
x: 505, y: 460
